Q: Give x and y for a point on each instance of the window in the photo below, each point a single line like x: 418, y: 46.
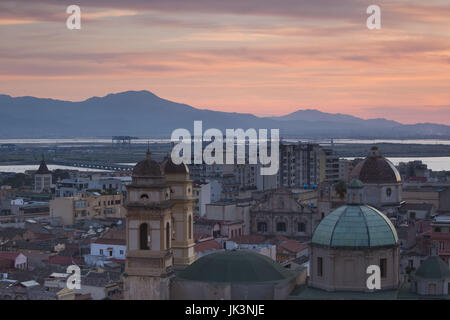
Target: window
x: 190, y: 227
x: 173, y: 229
x: 319, y: 266
x: 121, y: 251
x: 301, y: 227
x: 101, y: 252
x: 441, y: 245
x: 388, y: 192
x: 144, y: 196
x: 110, y: 253
x: 167, y: 235
x: 262, y: 227
x: 432, y: 288
x: 143, y: 237
x: 383, y: 267
x: 281, y: 227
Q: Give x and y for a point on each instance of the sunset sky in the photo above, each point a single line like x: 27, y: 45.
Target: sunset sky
x: 266, y: 57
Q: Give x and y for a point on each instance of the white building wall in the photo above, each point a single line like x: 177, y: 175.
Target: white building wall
x: 118, y: 252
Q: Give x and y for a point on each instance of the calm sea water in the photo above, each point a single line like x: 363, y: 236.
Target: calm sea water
x: 433, y: 163
x: 23, y: 168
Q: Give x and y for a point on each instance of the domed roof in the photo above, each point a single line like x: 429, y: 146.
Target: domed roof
x: 172, y: 168
x: 433, y: 268
x: 147, y: 168
x: 355, y: 226
x: 235, y: 266
x: 355, y: 184
x: 376, y: 169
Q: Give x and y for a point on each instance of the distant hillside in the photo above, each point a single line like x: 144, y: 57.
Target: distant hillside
x: 143, y: 114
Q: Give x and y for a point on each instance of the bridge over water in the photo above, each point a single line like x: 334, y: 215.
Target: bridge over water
x: 93, y: 165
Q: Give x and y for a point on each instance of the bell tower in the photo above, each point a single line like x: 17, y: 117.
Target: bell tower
x: 177, y: 177
x: 149, y: 261
x: 42, y: 178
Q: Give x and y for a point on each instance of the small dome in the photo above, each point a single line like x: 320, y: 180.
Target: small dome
x: 433, y: 268
x: 355, y: 226
x: 147, y: 168
x: 355, y: 184
x: 235, y: 266
x: 172, y: 168
x: 376, y: 169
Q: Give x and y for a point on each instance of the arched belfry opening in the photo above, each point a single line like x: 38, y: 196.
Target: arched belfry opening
x: 167, y: 235
x: 144, y: 237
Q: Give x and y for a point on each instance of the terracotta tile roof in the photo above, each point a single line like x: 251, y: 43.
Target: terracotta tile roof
x: 64, y: 260
x: 207, y: 245
x: 117, y: 242
x: 121, y: 261
x: 249, y: 239
x: 115, y: 234
x: 200, y: 236
x: 83, y: 297
x: 293, y: 246
x: 9, y: 255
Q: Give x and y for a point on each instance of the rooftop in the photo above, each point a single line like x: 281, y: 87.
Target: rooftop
x: 235, y: 266
x: 433, y: 268
x: 355, y: 226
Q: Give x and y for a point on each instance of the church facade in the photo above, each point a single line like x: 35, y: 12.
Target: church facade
x: 280, y: 213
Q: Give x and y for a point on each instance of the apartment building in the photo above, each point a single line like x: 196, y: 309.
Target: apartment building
x: 87, y: 206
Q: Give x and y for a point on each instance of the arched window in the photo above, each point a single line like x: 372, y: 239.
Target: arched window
x: 281, y: 227
x: 190, y: 227
x: 388, y: 192
x: 144, y: 196
x: 144, y: 238
x: 167, y: 235
x: 174, y: 236
x: 262, y: 227
x: 301, y: 227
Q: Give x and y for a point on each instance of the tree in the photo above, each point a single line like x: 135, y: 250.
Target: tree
x: 341, y: 189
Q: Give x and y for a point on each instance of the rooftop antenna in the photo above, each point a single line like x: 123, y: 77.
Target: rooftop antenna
x: 148, y: 150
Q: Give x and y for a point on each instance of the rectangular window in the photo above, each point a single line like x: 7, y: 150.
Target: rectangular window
x: 101, y: 251
x: 319, y: 266
x: 383, y: 267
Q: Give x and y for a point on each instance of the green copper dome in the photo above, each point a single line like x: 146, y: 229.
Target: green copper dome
x: 235, y: 266
x: 355, y: 226
x: 433, y: 268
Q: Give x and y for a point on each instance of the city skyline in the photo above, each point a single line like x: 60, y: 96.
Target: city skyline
x: 258, y: 57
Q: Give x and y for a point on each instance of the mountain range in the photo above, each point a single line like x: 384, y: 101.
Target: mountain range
x: 143, y: 114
